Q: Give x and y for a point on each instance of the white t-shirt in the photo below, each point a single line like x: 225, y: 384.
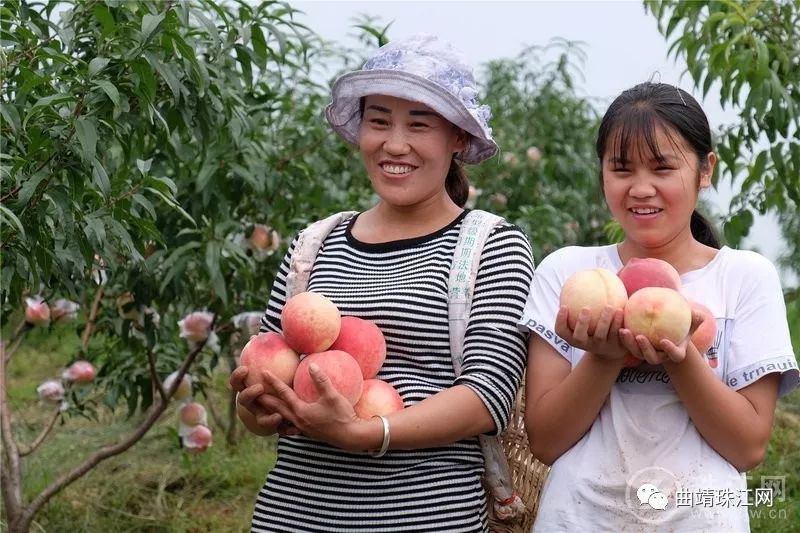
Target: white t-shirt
x: 643, y: 434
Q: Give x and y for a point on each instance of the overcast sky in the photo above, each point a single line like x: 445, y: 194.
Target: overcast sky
x: 623, y: 47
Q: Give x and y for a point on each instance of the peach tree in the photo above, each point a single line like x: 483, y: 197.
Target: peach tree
x: 750, y: 51
x: 545, y: 178
x: 155, y: 158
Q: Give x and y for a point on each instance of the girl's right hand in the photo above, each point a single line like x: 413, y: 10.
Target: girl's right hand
x: 604, y: 341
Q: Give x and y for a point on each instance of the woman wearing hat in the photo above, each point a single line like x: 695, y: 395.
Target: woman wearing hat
x: 413, y: 113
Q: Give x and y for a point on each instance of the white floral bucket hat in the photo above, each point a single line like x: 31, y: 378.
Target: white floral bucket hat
x: 422, y: 69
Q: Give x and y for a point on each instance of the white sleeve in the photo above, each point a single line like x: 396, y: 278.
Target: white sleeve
x: 542, y: 304
x: 760, y: 344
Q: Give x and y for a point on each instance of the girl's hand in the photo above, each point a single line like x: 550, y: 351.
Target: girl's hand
x: 641, y: 347
x: 252, y: 400
x: 604, y: 340
x: 330, y: 419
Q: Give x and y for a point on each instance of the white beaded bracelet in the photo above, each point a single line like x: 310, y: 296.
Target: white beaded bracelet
x: 385, y: 444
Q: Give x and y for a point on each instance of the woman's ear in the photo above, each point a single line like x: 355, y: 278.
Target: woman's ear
x: 707, y: 170
x: 462, y: 141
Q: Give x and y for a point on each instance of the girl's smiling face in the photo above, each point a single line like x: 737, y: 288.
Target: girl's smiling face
x: 651, y: 186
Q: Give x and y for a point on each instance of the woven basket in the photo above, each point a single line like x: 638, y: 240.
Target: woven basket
x: 527, y: 473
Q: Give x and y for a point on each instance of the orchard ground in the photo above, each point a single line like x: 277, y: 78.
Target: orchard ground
x: 156, y: 487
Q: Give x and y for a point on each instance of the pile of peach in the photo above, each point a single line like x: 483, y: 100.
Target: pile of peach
x: 349, y: 350
x: 648, y: 291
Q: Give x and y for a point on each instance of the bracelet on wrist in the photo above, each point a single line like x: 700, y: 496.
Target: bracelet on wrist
x: 386, y: 437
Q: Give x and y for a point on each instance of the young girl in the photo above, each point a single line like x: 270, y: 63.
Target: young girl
x: 412, y: 111
x: 663, y: 445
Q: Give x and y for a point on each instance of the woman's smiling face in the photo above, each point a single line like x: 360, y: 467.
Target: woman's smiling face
x: 407, y: 149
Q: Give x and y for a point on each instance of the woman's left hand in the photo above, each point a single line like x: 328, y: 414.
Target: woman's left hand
x: 330, y: 419
x: 641, y: 347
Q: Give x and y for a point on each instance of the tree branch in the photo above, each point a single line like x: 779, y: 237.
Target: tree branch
x: 89, y: 327
x: 151, y: 363
x: 112, y: 449
x: 11, y: 478
x: 10, y: 193
x: 16, y: 340
x: 43, y: 435
x: 215, y: 415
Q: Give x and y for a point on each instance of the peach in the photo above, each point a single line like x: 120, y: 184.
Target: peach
x: 64, y: 310
x: 658, y: 313
x: 364, y: 341
x: 184, y: 389
x: 378, y: 398
x: 198, y: 439
x: 193, y: 414
x: 499, y: 200
x: 594, y: 289
x: 310, y: 322
x: 249, y: 322
x: 340, y: 367
x: 649, y: 272
x: 269, y: 351
x: 196, y: 326
x: 264, y: 238
x: 534, y: 154
x: 703, y: 336
x: 37, y: 312
x: 80, y: 372
x: 51, y: 391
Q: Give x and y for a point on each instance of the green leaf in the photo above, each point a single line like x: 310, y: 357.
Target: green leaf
x: 762, y: 55
x: 110, y: 90
x: 167, y: 72
x: 10, y: 117
x: 29, y: 187
x: 146, y: 80
x: 212, y: 29
x: 101, y: 178
x: 93, y: 226
x: 146, y: 204
x: 172, y: 203
x: 102, y: 14
x: 161, y: 182
x: 144, y: 165
x: 673, y: 23
x: 8, y: 217
x: 87, y: 136
x: 738, y: 227
x: 259, y: 44
x: 51, y: 101
x: 243, y: 56
x: 213, y: 249
x: 116, y: 229
x: 150, y: 24
x: 97, y: 64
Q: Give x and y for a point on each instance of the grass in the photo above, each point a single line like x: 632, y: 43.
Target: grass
x: 156, y: 487
x: 152, y: 487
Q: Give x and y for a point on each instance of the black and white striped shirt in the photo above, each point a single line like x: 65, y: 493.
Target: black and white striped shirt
x: 402, y: 287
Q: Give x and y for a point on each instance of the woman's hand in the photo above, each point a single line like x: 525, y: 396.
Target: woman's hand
x: 641, y: 347
x: 604, y: 341
x: 259, y: 418
x: 330, y: 419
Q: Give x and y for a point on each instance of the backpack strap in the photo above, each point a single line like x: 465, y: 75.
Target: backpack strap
x: 309, y: 241
x: 475, y: 230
